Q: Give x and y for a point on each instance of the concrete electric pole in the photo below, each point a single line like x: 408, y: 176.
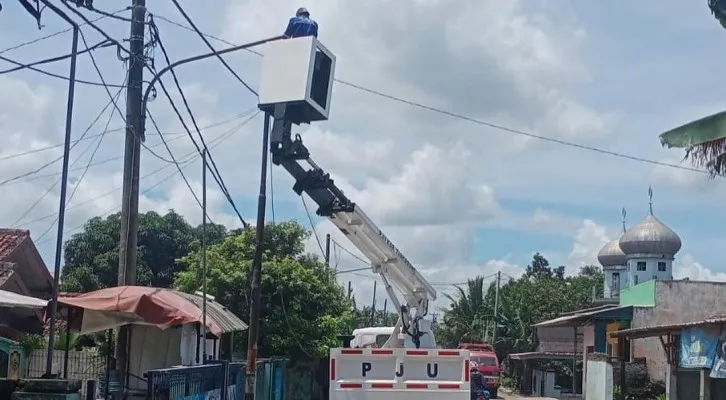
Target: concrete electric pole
x: 496, y: 308
x: 132, y: 153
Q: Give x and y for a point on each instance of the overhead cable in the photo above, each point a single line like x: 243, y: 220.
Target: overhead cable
x: 472, y: 119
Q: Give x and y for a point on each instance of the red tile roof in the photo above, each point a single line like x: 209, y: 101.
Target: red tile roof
x: 10, y: 239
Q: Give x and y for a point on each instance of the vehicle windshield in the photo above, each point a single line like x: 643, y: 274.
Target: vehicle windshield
x: 381, y: 340
x: 486, y: 361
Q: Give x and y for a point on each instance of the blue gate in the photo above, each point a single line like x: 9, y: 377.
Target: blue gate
x: 216, y: 380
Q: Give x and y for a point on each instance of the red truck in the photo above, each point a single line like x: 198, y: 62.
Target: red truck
x: 485, y: 356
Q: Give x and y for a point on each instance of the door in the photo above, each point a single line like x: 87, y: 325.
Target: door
x: 718, y: 389
x: 688, y: 383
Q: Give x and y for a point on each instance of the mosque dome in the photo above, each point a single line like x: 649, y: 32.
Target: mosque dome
x: 611, y: 255
x: 650, y: 236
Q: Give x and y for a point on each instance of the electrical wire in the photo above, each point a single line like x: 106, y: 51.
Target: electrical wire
x: 51, y: 74
x: 209, y: 45
x: 335, y: 243
x: 53, y: 146
x: 472, y: 119
x: 215, y: 171
x: 108, y: 160
x: 105, y: 13
x: 85, y: 171
x: 192, y: 156
x: 115, y: 104
x: 52, y: 35
x: 53, y: 186
x: 178, y: 167
x: 312, y: 225
x: 101, y: 44
x: 97, y: 29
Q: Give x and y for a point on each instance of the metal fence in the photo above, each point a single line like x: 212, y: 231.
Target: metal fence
x: 221, y: 380
x: 83, y: 365
x: 206, y: 381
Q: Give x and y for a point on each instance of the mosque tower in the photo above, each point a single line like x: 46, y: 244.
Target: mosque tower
x: 615, y: 266
x: 650, y: 247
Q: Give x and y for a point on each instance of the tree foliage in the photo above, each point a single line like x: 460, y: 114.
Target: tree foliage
x: 91, y: 256
x: 541, y: 293
x: 304, y: 309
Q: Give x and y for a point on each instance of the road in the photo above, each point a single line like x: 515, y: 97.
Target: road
x: 509, y: 396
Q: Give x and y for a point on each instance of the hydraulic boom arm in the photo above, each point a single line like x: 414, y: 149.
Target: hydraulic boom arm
x: 386, y: 260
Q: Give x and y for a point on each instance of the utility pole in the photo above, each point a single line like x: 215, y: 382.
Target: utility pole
x: 496, y: 308
x: 132, y: 153
x: 373, y: 305
x: 327, y: 249
x: 204, y: 253
x: 254, y: 328
x: 350, y: 289
x: 385, y: 312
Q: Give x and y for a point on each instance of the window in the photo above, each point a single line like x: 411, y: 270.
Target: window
x: 641, y: 266
x: 661, y: 266
x: 485, y: 361
x: 615, y: 286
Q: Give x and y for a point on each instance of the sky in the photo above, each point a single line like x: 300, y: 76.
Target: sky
x: 460, y: 197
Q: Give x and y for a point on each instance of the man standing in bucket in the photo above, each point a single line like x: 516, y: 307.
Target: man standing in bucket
x: 301, y: 25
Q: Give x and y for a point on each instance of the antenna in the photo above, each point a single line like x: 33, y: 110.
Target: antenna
x: 650, y: 199
x: 625, y: 214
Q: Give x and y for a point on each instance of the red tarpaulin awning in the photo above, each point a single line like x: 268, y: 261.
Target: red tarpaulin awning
x: 116, y: 306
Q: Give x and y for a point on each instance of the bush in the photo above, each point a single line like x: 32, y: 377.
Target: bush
x: 31, y: 342
x: 508, y: 382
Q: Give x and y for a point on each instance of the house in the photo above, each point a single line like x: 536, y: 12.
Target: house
x: 22, y: 271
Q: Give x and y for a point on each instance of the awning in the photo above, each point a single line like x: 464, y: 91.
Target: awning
x: 14, y: 300
x: 661, y: 330
x: 225, y: 319
x: 577, y: 318
x: 539, y: 355
x: 164, y: 308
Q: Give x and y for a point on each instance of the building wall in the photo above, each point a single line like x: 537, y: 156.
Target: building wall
x: 675, y: 302
x: 615, y: 280
x: 652, y: 269
x: 588, y: 340
x: 642, y: 295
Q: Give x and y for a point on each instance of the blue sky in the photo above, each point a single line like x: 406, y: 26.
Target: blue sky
x: 460, y: 199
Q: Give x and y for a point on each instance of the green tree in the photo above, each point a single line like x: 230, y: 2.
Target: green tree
x: 91, y: 256
x: 303, y: 308
x: 541, y: 293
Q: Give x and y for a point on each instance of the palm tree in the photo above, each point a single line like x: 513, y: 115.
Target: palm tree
x: 704, y: 139
x: 468, y: 312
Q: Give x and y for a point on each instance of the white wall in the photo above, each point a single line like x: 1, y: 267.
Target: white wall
x: 599, y: 380
x: 651, y: 268
x: 612, y: 287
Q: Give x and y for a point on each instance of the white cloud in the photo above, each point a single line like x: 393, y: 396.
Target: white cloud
x: 686, y: 266
x: 589, y: 239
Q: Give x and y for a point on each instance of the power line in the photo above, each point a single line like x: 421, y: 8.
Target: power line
x: 100, y: 76
x: 193, y: 155
x: 103, y: 43
x: 40, y: 39
x: 85, y: 171
x: 51, y: 74
x: 53, y: 186
x: 53, y: 146
x: 178, y: 167
x: 215, y: 171
x: 198, y: 32
x: 312, y: 225
x: 179, y: 134
x: 341, y: 247
x: 472, y: 119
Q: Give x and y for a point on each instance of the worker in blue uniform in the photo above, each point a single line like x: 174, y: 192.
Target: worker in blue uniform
x: 301, y: 25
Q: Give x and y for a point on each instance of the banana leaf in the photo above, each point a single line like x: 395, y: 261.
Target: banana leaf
x: 704, y: 141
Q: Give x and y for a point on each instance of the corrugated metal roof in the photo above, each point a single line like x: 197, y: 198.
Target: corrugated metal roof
x: 658, y: 330
x: 570, y: 319
x: 224, y: 318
